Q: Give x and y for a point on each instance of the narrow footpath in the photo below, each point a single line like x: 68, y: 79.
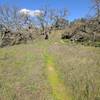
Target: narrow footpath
x: 59, y: 90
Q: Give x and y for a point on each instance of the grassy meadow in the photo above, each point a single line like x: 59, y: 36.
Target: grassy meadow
x: 50, y: 70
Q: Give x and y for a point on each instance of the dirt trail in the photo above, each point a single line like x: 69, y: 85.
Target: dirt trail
x: 59, y: 91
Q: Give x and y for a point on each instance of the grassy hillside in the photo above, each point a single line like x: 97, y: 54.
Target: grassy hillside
x: 50, y: 70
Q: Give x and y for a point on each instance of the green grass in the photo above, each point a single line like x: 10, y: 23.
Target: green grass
x: 59, y: 90
x: 50, y: 70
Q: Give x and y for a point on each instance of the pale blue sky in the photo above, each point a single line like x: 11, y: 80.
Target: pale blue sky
x: 77, y: 8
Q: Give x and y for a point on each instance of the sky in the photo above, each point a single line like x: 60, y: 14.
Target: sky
x: 76, y: 8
